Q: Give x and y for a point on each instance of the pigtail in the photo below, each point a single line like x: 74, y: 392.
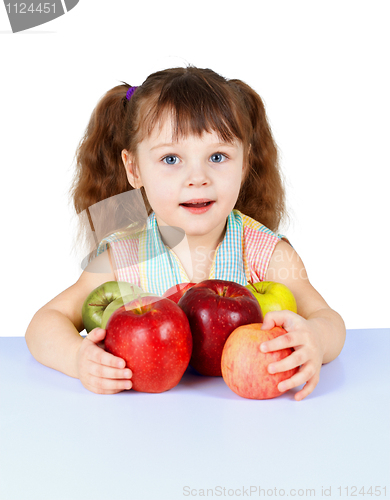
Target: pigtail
x: 100, y: 173
x: 262, y: 194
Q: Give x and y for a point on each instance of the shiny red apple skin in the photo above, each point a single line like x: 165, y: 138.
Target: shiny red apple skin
x: 176, y: 292
x: 154, y: 340
x: 214, y: 309
x: 244, y: 366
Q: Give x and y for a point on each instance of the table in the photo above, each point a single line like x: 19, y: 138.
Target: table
x: 58, y: 441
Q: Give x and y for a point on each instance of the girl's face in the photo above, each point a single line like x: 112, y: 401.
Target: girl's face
x: 192, y: 184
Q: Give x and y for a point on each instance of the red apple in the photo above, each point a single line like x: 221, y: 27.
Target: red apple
x: 176, y: 292
x: 153, y: 336
x: 214, y: 309
x: 244, y: 366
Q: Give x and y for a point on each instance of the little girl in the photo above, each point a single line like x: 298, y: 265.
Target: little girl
x: 186, y: 161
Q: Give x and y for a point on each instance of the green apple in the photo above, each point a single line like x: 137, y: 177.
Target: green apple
x: 101, y: 297
x: 116, y: 304
x: 273, y: 296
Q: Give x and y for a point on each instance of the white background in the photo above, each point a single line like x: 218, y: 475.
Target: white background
x: 322, y: 69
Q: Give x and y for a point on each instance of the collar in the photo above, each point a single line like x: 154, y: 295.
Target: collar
x: 160, y: 268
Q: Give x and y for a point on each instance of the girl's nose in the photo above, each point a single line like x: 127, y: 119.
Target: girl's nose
x: 197, y: 175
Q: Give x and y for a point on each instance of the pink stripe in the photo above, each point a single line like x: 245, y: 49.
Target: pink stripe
x: 124, y: 252
x: 259, y: 247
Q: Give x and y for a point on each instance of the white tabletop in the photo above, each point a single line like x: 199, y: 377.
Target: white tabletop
x: 58, y: 441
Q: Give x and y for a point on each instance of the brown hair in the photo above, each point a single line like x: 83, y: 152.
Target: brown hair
x: 199, y: 100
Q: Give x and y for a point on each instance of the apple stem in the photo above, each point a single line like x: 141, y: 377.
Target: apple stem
x: 138, y: 309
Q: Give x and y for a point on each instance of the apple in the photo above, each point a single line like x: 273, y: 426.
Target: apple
x: 176, y: 292
x: 154, y: 338
x: 214, y: 309
x: 119, y: 302
x: 273, y: 296
x: 244, y: 366
x: 102, y: 296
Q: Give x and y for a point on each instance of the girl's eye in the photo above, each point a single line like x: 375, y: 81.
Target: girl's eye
x: 170, y: 160
x: 218, y: 157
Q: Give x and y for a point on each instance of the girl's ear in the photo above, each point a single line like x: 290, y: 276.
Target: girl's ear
x: 131, y: 171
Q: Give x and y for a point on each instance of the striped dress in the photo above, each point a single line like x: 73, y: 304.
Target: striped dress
x: 143, y: 259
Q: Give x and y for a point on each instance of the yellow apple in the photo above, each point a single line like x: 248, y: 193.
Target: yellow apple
x: 273, y: 296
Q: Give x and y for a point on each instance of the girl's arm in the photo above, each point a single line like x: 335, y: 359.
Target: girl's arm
x: 54, y: 340
x: 317, y: 333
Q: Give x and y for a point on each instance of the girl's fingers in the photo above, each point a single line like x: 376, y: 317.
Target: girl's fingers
x: 102, y: 357
x: 96, y: 335
x: 299, y: 378
x: 100, y: 371
x: 108, y: 372
x: 283, y: 318
x: 108, y: 386
x: 294, y: 381
x: 307, y: 389
x: 292, y: 361
x: 282, y: 342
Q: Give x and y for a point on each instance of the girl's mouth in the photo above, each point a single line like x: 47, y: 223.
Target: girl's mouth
x: 197, y: 207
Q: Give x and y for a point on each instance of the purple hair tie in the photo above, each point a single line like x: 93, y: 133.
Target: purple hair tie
x: 130, y: 92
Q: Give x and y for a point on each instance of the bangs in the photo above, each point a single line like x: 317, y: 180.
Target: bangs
x: 194, y: 106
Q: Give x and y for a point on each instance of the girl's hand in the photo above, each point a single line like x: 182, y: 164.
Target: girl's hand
x: 98, y: 370
x: 304, y: 338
